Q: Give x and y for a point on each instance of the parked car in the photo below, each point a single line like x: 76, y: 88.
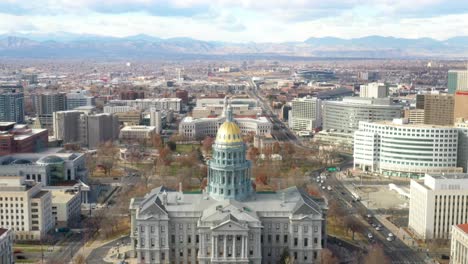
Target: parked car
x: 370, y: 236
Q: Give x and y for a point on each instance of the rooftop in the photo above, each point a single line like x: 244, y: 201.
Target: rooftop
x: 3, y: 231
x: 450, y: 176
x: 463, y: 227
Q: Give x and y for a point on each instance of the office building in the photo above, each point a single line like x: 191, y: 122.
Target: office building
x: 439, y: 109
x: 459, y: 244
x: 16, y: 138
x: 405, y: 150
x: 461, y: 105
x: 182, y: 95
x: 156, y: 120
x: 306, y: 114
x: 11, y: 106
x: 239, y: 110
x: 132, y: 95
x: 457, y: 81
x: 68, y: 127
x: 344, y: 116
x: 101, y: 128
x: 46, y: 168
x: 200, y: 128
x: 137, y: 132
x: 438, y: 204
x: 414, y: 116
x: 374, y: 90
x: 173, y: 104
x: 66, y: 206
x: 26, y: 208
x: 46, y: 104
x: 75, y: 127
x: 420, y: 101
x: 229, y: 222
x: 284, y: 113
x: 462, y: 158
x: 79, y: 98
x: 6, y: 246
x: 207, y: 101
x: 118, y: 109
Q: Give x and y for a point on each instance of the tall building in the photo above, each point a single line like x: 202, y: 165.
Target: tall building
x: 31, y: 217
x: 306, y: 114
x: 229, y: 222
x: 6, y: 246
x: 462, y: 157
x: 457, y: 81
x: 461, y: 105
x: 439, y: 109
x: 183, y: 95
x: 374, y: 90
x: 11, y: 106
x: 101, y: 128
x: 156, y: 120
x: 414, y: 116
x: 344, y: 116
x: 438, y: 204
x: 46, y: 104
x: 459, y: 244
x: 79, y: 98
x: 67, y: 127
x: 406, y: 150
x: 75, y: 127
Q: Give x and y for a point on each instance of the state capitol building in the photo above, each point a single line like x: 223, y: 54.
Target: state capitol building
x: 229, y: 222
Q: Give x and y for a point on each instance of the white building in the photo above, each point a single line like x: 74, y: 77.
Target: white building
x: 156, y: 120
x: 230, y: 222
x: 405, y: 150
x: 6, y: 246
x: 146, y: 104
x: 459, y: 244
x: 25, y: 208
x: 305, y: 114
x: 202, y: 127
x: 66, y: 206
x: 79, y: 98
x: 438, y: 204
x: 137, y: 132
x: 374, y: 90
x: 112, y: 109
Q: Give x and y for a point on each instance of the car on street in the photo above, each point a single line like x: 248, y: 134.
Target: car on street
x: 329, y: 188
x: 390, y: 239
x: 370, y: 236
x: 391, y: 235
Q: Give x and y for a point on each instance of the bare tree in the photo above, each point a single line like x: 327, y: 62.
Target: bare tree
x: 207, y: 145
x: 80, y: 259
x: 328, y: 257
x: 106, y: 156
x: 353, y: 224
x: 375, y: 254
x: 335, y: 210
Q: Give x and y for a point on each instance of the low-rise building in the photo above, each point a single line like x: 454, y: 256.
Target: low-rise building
x: 438, y: 204
x: 414, y: 116
x: 406, y: 150
x: 15, y: 138
x: 46, y: 168
x: 6, y: 246
x: 25, y: 208
x: 137, y: 132
x: 66, y: 206
x: 146, y: 104
x: 459, y: 244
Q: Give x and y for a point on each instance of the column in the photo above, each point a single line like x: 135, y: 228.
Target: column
x: 246, y: 248
x: 234, y: 238
x: 243, y: 247
x: 225, y: 246
x: 212, y: 246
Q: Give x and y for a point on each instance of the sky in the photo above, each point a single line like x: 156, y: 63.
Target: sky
x: 238, y: 20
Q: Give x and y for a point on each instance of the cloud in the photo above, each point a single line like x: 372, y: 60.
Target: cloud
x: 239, y: 21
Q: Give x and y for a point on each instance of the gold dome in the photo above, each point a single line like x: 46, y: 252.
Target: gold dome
x: 229, y: 132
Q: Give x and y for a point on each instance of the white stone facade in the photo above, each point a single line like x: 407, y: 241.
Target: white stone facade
x: 25, y: 208
x: 459, y: 244
x: 306, y: 114
x: 438, y: 204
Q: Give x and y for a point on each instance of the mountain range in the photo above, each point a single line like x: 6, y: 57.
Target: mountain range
x: 66, y: 45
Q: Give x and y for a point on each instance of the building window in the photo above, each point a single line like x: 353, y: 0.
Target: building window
x: 306, y: 242
x: 295, y: 241
x: 285, y: 238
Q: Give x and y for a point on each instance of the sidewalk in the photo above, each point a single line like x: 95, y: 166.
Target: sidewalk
x: 397, y: 231
x: 86, y: 250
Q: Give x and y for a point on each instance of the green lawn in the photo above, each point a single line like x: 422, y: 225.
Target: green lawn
x: 183, y: 149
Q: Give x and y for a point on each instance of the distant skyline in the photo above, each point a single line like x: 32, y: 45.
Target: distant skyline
x: 238, y: 21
